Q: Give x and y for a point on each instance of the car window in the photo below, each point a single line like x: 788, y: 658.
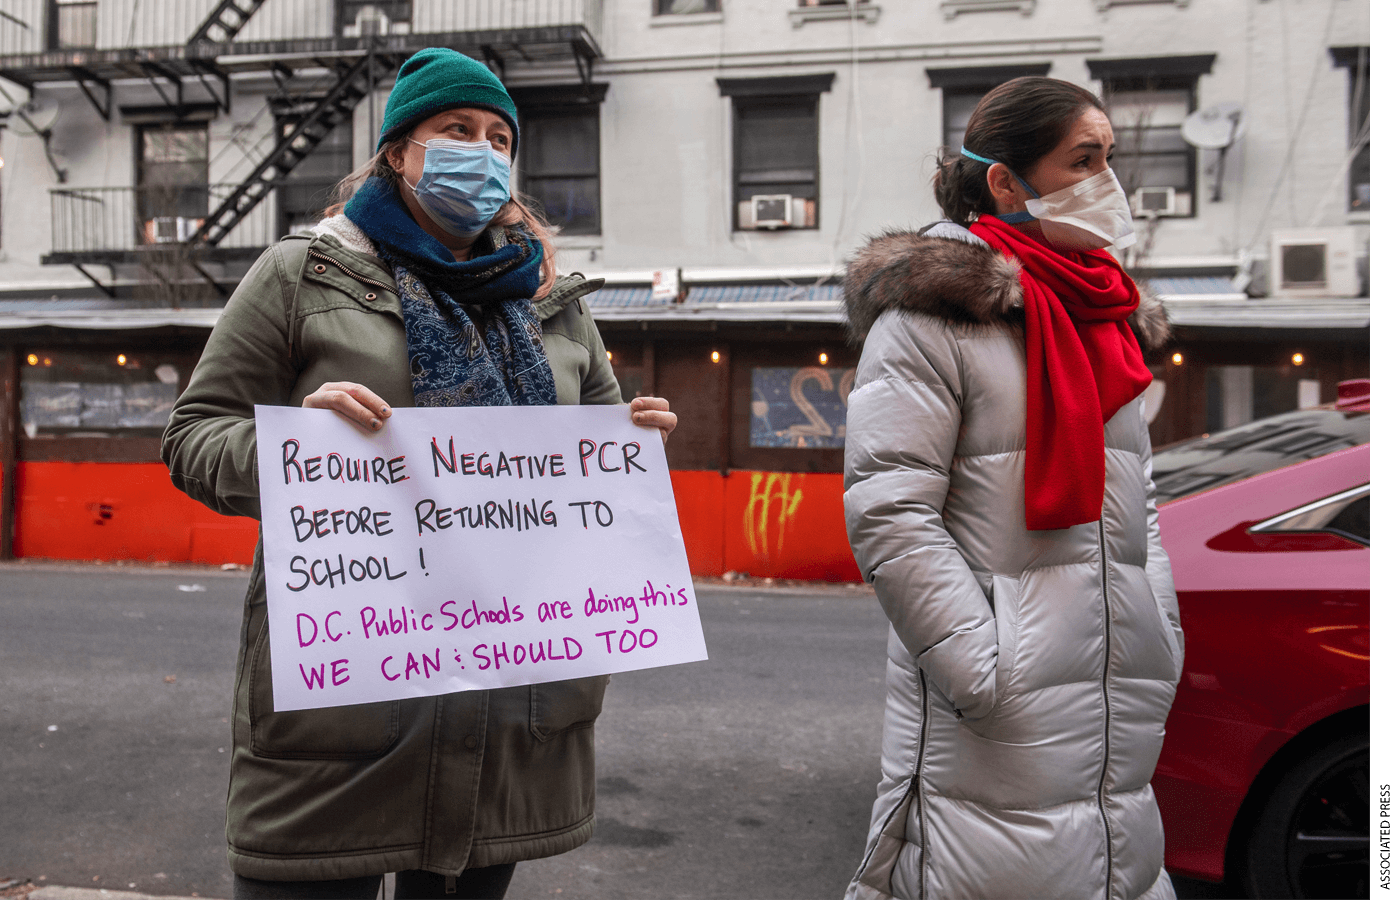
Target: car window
x: 1346, y: 514
x: 1354, y: 521
x: 1261, y: 446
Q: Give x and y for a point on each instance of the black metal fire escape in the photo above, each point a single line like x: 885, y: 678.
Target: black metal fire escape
x: 337, y: 106
x: 225, y: 21
x: 208, y: 60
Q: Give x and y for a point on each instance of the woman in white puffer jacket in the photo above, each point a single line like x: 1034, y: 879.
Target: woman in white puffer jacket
x: 999, y: 497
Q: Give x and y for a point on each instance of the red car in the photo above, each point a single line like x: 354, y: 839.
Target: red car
x: 1263, y: 779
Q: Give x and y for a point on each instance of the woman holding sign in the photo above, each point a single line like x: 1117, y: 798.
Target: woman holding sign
x: 999, y: 496
x: 433, y: 287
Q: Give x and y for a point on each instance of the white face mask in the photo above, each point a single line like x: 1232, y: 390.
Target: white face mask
x: 1090, y: 215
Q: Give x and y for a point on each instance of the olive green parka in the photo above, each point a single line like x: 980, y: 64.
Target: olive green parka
x: 463, y: 780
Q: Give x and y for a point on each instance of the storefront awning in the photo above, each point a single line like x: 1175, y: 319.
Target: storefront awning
x: 723, y: 303
x: 53, y: 314
x: 1270, y: 313
x: 1196, y: 302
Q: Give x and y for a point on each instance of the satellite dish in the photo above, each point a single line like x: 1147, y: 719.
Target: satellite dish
x: 36, y: 115
x: 1215, y: 127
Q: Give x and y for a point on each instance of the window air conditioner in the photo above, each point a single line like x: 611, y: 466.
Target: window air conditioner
x: 372, y: 20
x: 1313, y: 262
x: 171, y: 229
x: 1154, y: 201
x: 772, y: 211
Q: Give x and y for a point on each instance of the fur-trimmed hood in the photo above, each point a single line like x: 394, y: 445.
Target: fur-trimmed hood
x: 952, y: 274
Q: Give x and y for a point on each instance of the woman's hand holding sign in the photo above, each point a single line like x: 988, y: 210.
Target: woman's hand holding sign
x: 355, y: 402
x: 654, y: 412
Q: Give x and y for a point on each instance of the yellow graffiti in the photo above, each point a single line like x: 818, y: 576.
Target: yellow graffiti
x: 771, y: 495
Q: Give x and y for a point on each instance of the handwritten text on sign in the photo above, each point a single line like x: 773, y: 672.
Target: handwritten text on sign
x: 467, y: 548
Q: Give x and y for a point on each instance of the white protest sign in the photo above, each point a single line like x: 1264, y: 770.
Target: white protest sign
x: 467, y: 548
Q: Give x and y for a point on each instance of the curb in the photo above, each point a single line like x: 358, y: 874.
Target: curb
x: 57, y: 892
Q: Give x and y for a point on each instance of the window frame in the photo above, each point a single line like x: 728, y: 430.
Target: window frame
x: 1357, y: 61
x: 139, y: 163
x: 964, y: 81
x: 52, y: 41
x: 284, y: 115
x: 753, y: 93
x: 1163, y: 73
x: 560, y: 101
x: 659, y: 8
x: 1191, y: 155
x: 752, y: 104
x: 116, y: 447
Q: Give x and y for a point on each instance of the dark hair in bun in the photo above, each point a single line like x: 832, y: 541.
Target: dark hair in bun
x: 1016, y: 123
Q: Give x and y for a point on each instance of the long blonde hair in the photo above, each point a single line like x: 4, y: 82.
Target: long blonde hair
x: 516, y: 211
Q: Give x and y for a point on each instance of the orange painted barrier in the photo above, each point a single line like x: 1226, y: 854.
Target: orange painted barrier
x: 765, y: 524
x: 110, y: 511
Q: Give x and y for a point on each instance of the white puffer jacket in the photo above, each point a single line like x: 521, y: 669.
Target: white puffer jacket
x: 1030, y: 672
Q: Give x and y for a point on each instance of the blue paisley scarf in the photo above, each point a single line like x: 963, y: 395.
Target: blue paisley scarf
x: 453, y: 363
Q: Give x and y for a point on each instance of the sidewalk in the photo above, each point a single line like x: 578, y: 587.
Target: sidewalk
x: 31, y: 891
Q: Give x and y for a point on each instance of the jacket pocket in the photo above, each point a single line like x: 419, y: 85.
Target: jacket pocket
x: 1006, y: 599
x: 1006, y: 604
x: 363, y: 731
x: 1178, y: 653
x: 559, y: 706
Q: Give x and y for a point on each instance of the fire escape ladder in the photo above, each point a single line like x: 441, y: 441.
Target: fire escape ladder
x: 337, y: 106
x: 225, y: 20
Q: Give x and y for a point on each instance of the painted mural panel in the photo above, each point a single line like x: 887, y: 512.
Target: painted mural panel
x: 800, y: 408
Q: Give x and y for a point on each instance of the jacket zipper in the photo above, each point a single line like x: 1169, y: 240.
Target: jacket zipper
x: 914, y: 782
x: 342, y: 267
x: 918, y: 777
x: 1107, y: 648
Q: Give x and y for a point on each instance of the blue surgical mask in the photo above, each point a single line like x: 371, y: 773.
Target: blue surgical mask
x: 463, y: 186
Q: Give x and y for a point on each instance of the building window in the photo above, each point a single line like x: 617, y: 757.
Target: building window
x: 363, y: 18
x: 776, y: 159
x: 1153, y: 160
x: 685, y: 7
x: 1358, y: 61
x: 172, y: 178
x: 558, y: 160
x: 964, y: 88
x: 799, y: 407
x: 1147, y: 101
x: 307, y: 190
x: 68, y: 393
x: 72, y: 24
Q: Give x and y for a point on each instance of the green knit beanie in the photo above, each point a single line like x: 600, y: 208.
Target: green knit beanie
x: 438, y: 79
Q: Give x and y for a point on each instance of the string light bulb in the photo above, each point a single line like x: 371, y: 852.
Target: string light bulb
x: 609, y: 356
x: 121, y: 359
x: 32, y: 359
x: 822, y: 358
x: 1298, y: 359
x: 714, y: 356
x: 1178, y: 359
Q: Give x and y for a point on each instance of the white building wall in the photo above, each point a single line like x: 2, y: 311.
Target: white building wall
x: 666, y: 136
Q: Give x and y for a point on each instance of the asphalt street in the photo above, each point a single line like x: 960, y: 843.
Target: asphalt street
x: 749, y: 775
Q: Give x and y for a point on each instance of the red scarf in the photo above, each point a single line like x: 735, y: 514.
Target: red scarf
x: 1082, y: 366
